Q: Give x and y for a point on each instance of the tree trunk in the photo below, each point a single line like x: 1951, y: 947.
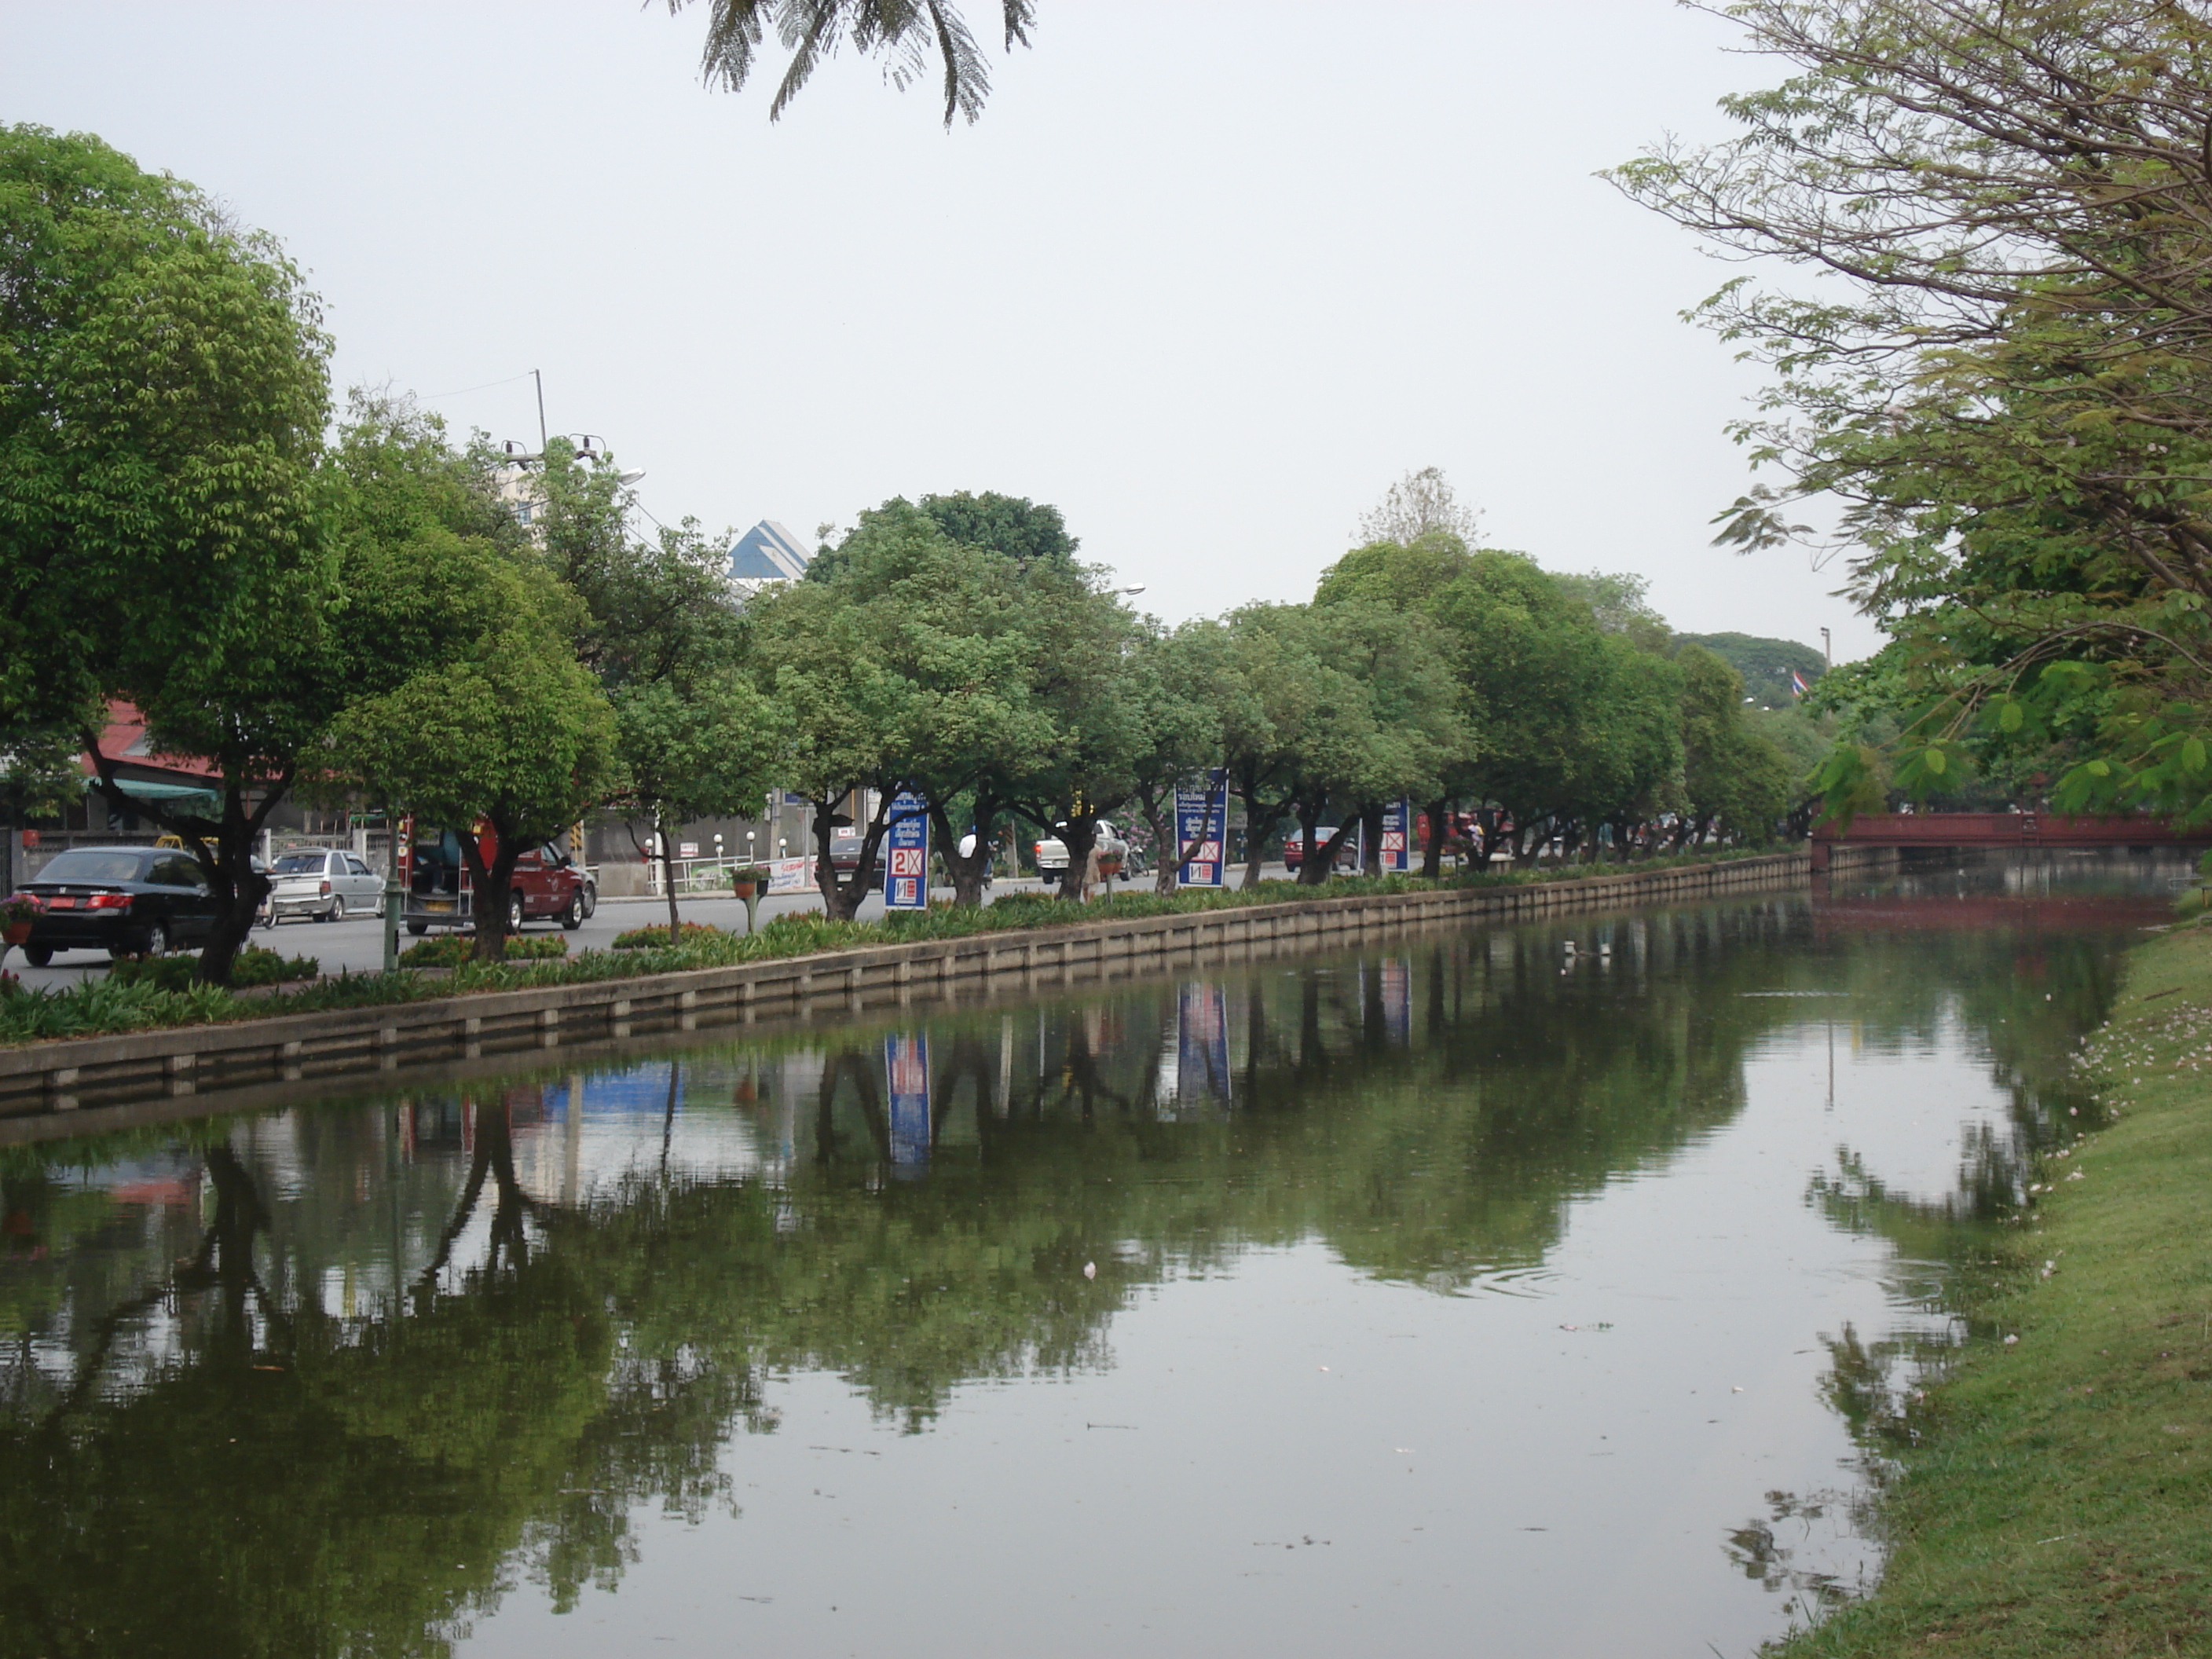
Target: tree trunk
x: 239, y: 889
x: 841, y: 900
x: 1432, y: 855
x: 1371, y: 838
x: 1316, y: 862
x: 1157, y: 807
x: 1261, y: 818
x: 490, y: 886
x: 970, y: 873
x: 1486, y: 820
x: 1078, y: 835
x: 668, y: 876
x: 836, y: 903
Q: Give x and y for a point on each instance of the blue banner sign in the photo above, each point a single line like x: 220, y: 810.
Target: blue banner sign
x: 1202, y: 816
x: 906, y: 1076
x: 906, y: 854
x: 1397, y: 838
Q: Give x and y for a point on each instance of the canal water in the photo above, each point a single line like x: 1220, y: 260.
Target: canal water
x: 1544, y: 1290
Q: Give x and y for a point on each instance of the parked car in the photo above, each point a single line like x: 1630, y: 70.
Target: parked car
x: 1347, y: 856
x: 845, y: 850
x: 126, y: 900
x: 547, y: 884
x: 1113, y: 852
x: 321, y: 883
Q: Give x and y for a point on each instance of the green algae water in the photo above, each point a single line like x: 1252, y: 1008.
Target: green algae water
x: 1524, y: 1291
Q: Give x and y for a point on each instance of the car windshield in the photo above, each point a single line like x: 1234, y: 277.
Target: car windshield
x: 300, y: 864
x: 89, y: 865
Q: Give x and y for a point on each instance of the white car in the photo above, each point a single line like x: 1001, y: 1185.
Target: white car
x: 1113, y: 852
x: 327, y: 886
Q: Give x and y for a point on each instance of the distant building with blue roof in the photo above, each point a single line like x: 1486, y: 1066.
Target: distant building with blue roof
x: 766, y: 553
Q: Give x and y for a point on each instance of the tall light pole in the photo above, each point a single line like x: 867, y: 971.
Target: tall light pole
x: 1827, y: 656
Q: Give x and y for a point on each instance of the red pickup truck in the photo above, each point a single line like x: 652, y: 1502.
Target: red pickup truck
x: 548, y: 886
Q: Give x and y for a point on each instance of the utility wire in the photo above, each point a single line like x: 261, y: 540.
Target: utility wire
x: 434, y: 397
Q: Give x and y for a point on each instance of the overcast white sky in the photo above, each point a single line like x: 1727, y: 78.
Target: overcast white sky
x: 1208, y: 275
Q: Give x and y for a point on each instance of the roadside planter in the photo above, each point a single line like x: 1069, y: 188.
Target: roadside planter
x: 749, y: 882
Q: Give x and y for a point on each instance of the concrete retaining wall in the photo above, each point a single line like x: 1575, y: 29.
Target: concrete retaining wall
x: 1859, y: 861
x: 42, y: 1079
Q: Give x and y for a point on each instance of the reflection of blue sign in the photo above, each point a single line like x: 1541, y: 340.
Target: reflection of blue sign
x: 906, y: 1075
x: 906, y: 854
x: 1202, y: 821
x: 1398, y: 1001
x: 1397, y: 840
x: 1202, y: 1044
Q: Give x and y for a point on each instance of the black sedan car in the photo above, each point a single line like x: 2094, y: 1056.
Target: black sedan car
x: 126, y: 900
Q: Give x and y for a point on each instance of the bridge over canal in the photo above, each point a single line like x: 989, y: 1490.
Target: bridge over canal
x: 1932, y: 831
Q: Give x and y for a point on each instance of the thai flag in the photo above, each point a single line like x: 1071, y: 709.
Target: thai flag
x: 1797, y: 680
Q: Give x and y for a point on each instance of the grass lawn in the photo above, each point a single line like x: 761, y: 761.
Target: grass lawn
x: 2059, y: 1500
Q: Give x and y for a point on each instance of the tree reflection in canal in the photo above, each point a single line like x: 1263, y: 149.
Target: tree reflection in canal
x: 337, y: 1380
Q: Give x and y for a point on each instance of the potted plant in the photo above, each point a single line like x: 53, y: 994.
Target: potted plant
x: 749, y: 882
x: 16, y: 915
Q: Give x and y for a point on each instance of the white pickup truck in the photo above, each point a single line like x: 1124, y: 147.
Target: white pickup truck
x: 1113, y: 853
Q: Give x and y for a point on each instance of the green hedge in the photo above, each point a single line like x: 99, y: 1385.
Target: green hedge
x: 253, y: 966
x: 645, y: 938
x: 452, y: 949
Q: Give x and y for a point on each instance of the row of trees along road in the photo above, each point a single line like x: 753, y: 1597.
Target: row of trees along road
x: 346, y: 608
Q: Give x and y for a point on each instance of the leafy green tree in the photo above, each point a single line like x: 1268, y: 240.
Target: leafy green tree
x: 1275, y: 717
x: 1345, y: 705
x: 904, y: 33
x: 913, y: 663
x: 1098, y: 687
x: 1628, y: 768
x: 1422, y: 503
x: 1075, y: 679
x: 1410, y: 575
x: 1188, y: 689
x: 1538, y: 680
x: 1024, y: 531
x: 1618, y: 605
x: 1732, y: 777
x: 510, y: 731
x: 694, y: 745
x: 162, y: 399
x: 660, y: 629
x: 2005, y: 387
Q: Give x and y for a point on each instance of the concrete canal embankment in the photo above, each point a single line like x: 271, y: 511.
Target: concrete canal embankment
x: 87, y: 1084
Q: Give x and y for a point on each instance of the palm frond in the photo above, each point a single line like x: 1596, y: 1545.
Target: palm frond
x: 909, y: 36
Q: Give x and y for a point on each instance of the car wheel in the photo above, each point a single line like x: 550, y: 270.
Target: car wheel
x: 514, y: 913
x: 336, y: 912
x: 157, y: 940
x: 591, y: 898
x: 37, y: 955
x: 418, y: 929
x: 573, y: 917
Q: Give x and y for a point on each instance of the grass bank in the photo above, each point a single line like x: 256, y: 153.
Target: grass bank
x: 2056, y: 1495
x: 153, y: 1001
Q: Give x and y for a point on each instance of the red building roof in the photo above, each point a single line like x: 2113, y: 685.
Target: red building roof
x: 124, y: 741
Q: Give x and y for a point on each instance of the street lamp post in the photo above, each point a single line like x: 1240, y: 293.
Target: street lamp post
x: 1827, y: 656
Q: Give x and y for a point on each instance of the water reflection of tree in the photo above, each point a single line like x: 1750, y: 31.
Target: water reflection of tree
x: 554, y: 1365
